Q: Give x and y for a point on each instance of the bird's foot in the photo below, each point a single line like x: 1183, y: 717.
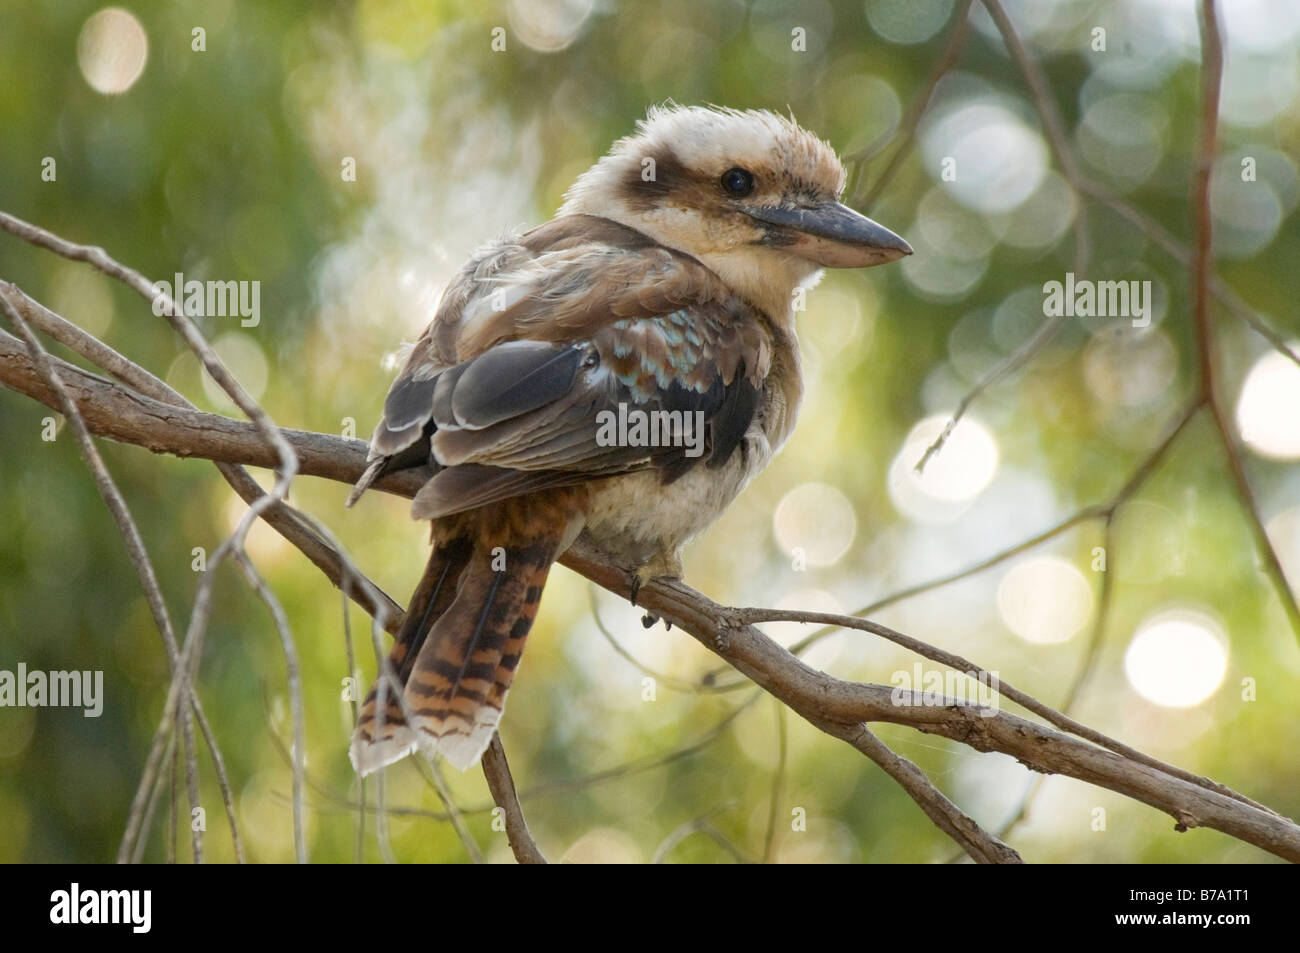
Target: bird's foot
x: 663, y: 566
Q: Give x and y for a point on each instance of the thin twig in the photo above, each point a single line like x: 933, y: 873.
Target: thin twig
x: 173, y: 820
x: 998, y: 684
x: 1058, y: 138
x: 1201, y: 279
x: 698, y: 825
x: 497, y: 772
x: 1166, y: 242
x: 353, y: 701
x: 983, y: 847
x: 381, y: 820
x: 1020, y: 356
x: 916, y: 109
x: 550, y: 789
x: 778, y: 782
x: 298, y: 748
x: 668, y: 681
x: 287, y: 462
x: 148, y: 808
x: 432, y: 774
x: 112, y: 498
x: 99, y: 353
x: 192, y: 782
x: 304, y: 533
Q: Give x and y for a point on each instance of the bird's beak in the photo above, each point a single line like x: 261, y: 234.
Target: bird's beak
x: 830, y: 234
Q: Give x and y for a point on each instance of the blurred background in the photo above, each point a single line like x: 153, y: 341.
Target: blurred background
x: 228, y: 162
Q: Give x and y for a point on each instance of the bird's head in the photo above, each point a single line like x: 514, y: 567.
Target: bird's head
x: 749, y: 193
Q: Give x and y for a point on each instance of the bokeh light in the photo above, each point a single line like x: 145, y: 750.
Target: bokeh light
x: 1126, y: 367
x: 1041, y: 220
x: 603, y: 846
x: 1257, y: 90
x: 1261, y: 26
x: 548, y: 26
x: 1268, y: 409
x: 817, y: 519
x: 1284, y: 533
x: 953, y: 477
x: 772, y: 24
x: 1146, y: 43
x: 1247, y: 213
x: 908, y: 21
x: 112, y: 50
x: 1044, y: 599
x: 997, y: 160
x: 952, y: 230
x: 1177, y: 659
x: 1122, y: 136
x: 937, y: 276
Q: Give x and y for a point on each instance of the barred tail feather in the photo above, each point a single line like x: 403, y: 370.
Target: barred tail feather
x: 457, y: 689
x: 379, y: 741
x: 458, y: 651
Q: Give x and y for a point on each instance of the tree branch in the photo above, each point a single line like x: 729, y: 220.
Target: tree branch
x: 502, y: 786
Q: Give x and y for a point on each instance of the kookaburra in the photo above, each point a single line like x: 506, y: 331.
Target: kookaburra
x: 665, y: 283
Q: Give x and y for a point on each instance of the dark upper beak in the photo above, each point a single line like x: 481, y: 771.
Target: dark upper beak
x: 831, y: 234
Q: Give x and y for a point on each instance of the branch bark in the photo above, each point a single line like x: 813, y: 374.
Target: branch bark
x: 502, y: 786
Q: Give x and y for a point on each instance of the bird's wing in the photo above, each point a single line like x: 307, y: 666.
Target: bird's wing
x: 560, y: 339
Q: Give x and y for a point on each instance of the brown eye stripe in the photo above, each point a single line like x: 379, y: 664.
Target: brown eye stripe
x: 669, y: 175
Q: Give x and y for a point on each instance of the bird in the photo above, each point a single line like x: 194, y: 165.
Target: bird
x: 664, y: 285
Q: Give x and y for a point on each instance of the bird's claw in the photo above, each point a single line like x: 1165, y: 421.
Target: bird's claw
x: 663, y: 566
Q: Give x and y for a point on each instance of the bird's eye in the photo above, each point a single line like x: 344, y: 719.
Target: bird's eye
x: 737, y: 182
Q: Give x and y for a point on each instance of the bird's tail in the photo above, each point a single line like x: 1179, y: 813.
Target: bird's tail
x: 456, y: 652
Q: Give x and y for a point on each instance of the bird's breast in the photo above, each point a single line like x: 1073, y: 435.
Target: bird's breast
x: 636, y: 517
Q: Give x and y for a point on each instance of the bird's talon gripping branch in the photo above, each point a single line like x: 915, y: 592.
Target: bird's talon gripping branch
x: 665, y: 566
